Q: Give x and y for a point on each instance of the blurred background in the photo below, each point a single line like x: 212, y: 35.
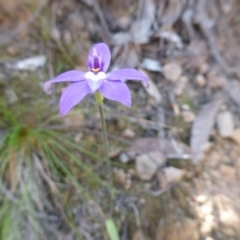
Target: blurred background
x: 175, y: 154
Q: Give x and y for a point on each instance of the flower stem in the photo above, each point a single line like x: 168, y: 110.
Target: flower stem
x: 99, y: 100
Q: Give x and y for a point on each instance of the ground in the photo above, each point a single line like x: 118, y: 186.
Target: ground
x: 175, y: 155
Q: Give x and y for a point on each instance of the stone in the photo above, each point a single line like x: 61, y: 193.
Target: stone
x: 188, y: 116
x: 121, y: 124
x: 213, y: 160
x: 55, y: 33
x: 123, y: 158
x: 12, y: 50
x: 227, y: 171
x: 148, y: 163
x: 114, y: 153
x: 151, y: 65
x: 216, y: 79
x: 73, y: 119
x: 183, y: 229
x: 139, y: 235
x: 236, y: 136
x: 11, y: 96
x: 180, y: 86
x: 128, y: 184
x: 172, y: 71
x: 200, y: 80
x: 203, y: 68
x: 225, y: 124
x: 128, y: 133
x: 170, y: 175
x: 78, y: 137
x: 201, y: 198
x: 67, y: 37
x: 120, y: 176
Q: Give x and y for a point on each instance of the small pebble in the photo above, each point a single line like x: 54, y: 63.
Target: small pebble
x: 13, y: 51
x: 225, y: 124
x: 172, y: 71
x: 201, y: 80
x: 128, y: 133
x: 78, y: 137
x: 201, y: 198
x: 120, y: 176
x: 123, y: 158
x: 188, y: 116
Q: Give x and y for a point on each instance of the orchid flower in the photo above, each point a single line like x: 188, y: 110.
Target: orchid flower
x: 111, y: 85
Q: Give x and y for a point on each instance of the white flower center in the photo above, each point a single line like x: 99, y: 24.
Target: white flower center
x: 95, y: 80
x: 95, y: 77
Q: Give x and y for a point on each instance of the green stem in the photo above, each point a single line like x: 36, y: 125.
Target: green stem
x: 99, y: 100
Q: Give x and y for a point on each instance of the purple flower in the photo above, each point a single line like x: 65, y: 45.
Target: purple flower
x: 111, y: 85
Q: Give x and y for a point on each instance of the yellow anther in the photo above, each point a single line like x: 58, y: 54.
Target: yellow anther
x: 95, y: 69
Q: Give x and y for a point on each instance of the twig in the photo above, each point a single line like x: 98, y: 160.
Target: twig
x: 137, y: 216
x: 64, y: 52
x: 9, y: 195
x: 51, y: 76
x: 44, y: 175
x: 159, y: 192
x: 86, y: 235
x: 103, y: 22
x: 94, y: 4
x: 42, y: 215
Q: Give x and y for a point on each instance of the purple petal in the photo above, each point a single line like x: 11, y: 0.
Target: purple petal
x: 72, y: 95
x: 69, y: 76
x: 127, y: 74
x: 116, y: 90
x: 103, y: 51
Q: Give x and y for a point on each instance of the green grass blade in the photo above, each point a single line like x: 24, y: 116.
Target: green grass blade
x: 111, y: 229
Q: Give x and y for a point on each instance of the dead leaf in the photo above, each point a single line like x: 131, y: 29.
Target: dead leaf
x: 202, y: 127
x: 233, y: 90
x: 198, y: 55
x: 151, y: 65
x: 170, y: 148
x: 121, y: 38
x: 127, y: 57
x: 170, y: 11
x: 152, y: 89
x: 168, y: 34
x: 141, y: 28
x: 117, y: 14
